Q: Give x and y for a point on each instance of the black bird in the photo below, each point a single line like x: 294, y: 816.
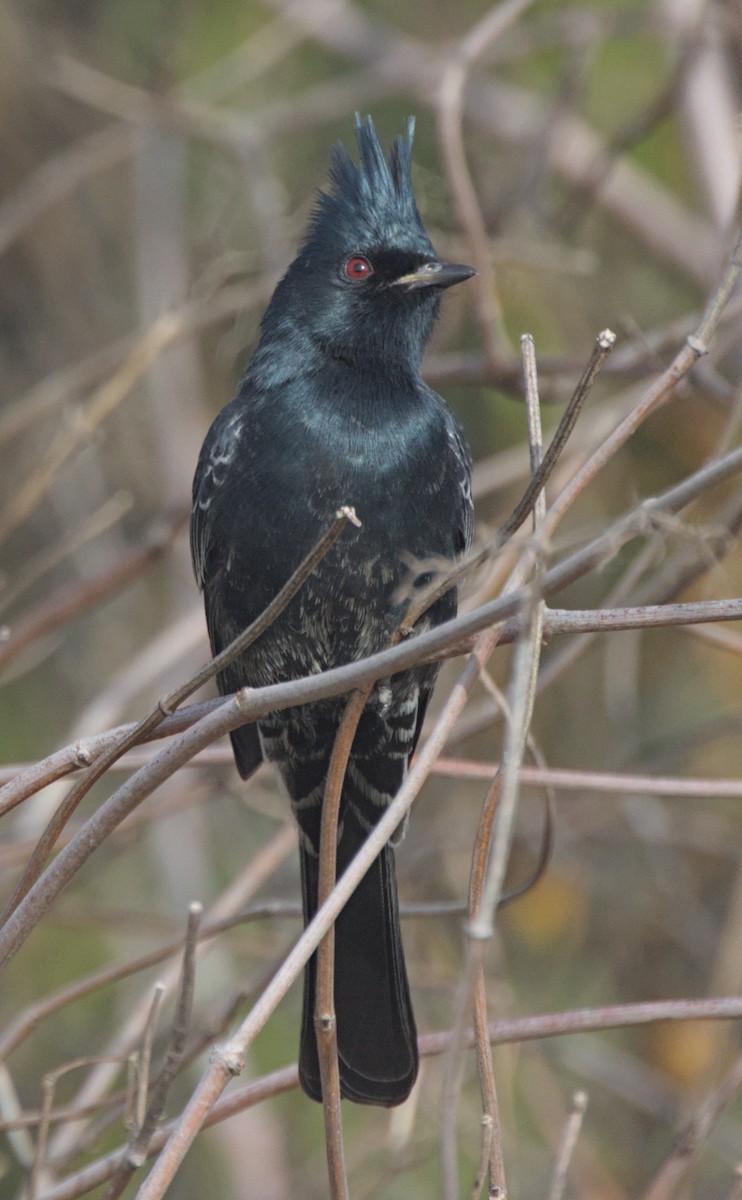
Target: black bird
x: 332, y: 411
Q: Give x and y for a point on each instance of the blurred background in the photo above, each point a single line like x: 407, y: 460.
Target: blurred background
x: 159, y: 161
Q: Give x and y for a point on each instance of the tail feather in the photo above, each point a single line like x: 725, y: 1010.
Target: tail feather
x: 377, y: 1040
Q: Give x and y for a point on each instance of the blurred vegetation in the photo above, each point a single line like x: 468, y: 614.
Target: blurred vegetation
x: 160, y: 159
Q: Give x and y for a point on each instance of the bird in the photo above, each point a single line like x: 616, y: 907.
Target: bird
x: 332, y: 411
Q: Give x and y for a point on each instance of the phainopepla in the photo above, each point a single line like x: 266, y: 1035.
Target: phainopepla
x: 332, y: 411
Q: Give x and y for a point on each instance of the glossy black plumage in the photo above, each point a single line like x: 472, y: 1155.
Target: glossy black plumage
x: 332, y: 411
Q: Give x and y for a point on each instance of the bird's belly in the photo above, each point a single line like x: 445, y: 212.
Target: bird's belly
x: 344, y: 612
x: 350, y: 606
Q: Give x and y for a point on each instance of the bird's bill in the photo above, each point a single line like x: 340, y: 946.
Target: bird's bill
x: 435, y: 274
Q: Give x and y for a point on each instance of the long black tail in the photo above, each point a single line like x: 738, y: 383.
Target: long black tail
x: 377, y: 1040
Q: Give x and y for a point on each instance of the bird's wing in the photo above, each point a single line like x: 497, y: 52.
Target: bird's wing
x: 461, y: 467
x: 218, y: 452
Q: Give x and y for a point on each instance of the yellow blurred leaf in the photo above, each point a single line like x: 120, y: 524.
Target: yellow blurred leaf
x: 548, y: 911
x: 685, y: 1050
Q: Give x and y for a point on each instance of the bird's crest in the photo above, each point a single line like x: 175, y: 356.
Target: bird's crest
x: 376, y: 192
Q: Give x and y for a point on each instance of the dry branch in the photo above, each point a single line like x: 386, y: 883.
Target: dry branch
x: 166, y: 706
x: 501, y: 1032
x: 249, y: 705
x: 467, y: 89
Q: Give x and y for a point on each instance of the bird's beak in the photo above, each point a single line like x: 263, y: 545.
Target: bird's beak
x: 435, y: 274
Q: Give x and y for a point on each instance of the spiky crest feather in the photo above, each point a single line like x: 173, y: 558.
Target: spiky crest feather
x: 376, y: 193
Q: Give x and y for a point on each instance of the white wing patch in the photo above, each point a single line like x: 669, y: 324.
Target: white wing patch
x: 464, y: 474
x: 210, y: 478
x: 222, y: 455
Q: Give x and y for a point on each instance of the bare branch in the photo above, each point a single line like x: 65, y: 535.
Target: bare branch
x: 166, y: 706
x: 570, y: 1134
x: 325, y: 1022
x: 144, y: 1056
x: 539, y: 478
x: 695, y: 1136
x: 522, y: 691
x: 248, y: 706
x: 88, y: 418
x: 136, y: 1152
x: 450, y: 113
x: 501, y: 1032
x: 425, y: 647
x: 491, y: 1133
x: 229, y: 1060
x: 77, y: 599
x: 240, y: 889
x: 659, y: 393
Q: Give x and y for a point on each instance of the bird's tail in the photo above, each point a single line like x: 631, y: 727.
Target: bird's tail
x: 377, y: 1041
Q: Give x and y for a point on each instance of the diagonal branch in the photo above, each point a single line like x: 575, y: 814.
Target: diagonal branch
x: 247, y: 706
x: 502, y: 1032
x: 136, y: 1151
x: 228, y: 1060
x: 166, y: 706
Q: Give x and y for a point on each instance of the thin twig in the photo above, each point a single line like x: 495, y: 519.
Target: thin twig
x: 20, y: 1143
x: 501, y: 1033
x: 241, y: 708
x: 496, y: 826
x: 695, y: 1136
x: 325, y: 1022
x: 522, y: 692
x: 599, y: 781
x: 477, y: 769
x: 450, y: 118
x: 490, y: 1108
x: 426, y: 647
x: 166, y: 706
x: 604, y: 344
x: 453, y: 1071
x: 130, y: 1097
x: 485, y: 1161
x: 239, y: 891
x: 696, y: 346
x: 42, y: 1135
x: 547, y: 837
x: 537, y: 482
x: 87, y: 420
x: 48, y: 1086
x: 248, y: 705
x: 522, y: 687
x: 570, y: 1134
x: 229, y: 1059
x: 453, y: 1078
x: 144, y: 1057
x: 78, y: 598
x: 136, y: 1152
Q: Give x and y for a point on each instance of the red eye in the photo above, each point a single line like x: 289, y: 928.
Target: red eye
x: 358, y: 267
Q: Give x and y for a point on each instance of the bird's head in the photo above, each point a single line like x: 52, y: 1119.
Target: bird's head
x: 367, y: 282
